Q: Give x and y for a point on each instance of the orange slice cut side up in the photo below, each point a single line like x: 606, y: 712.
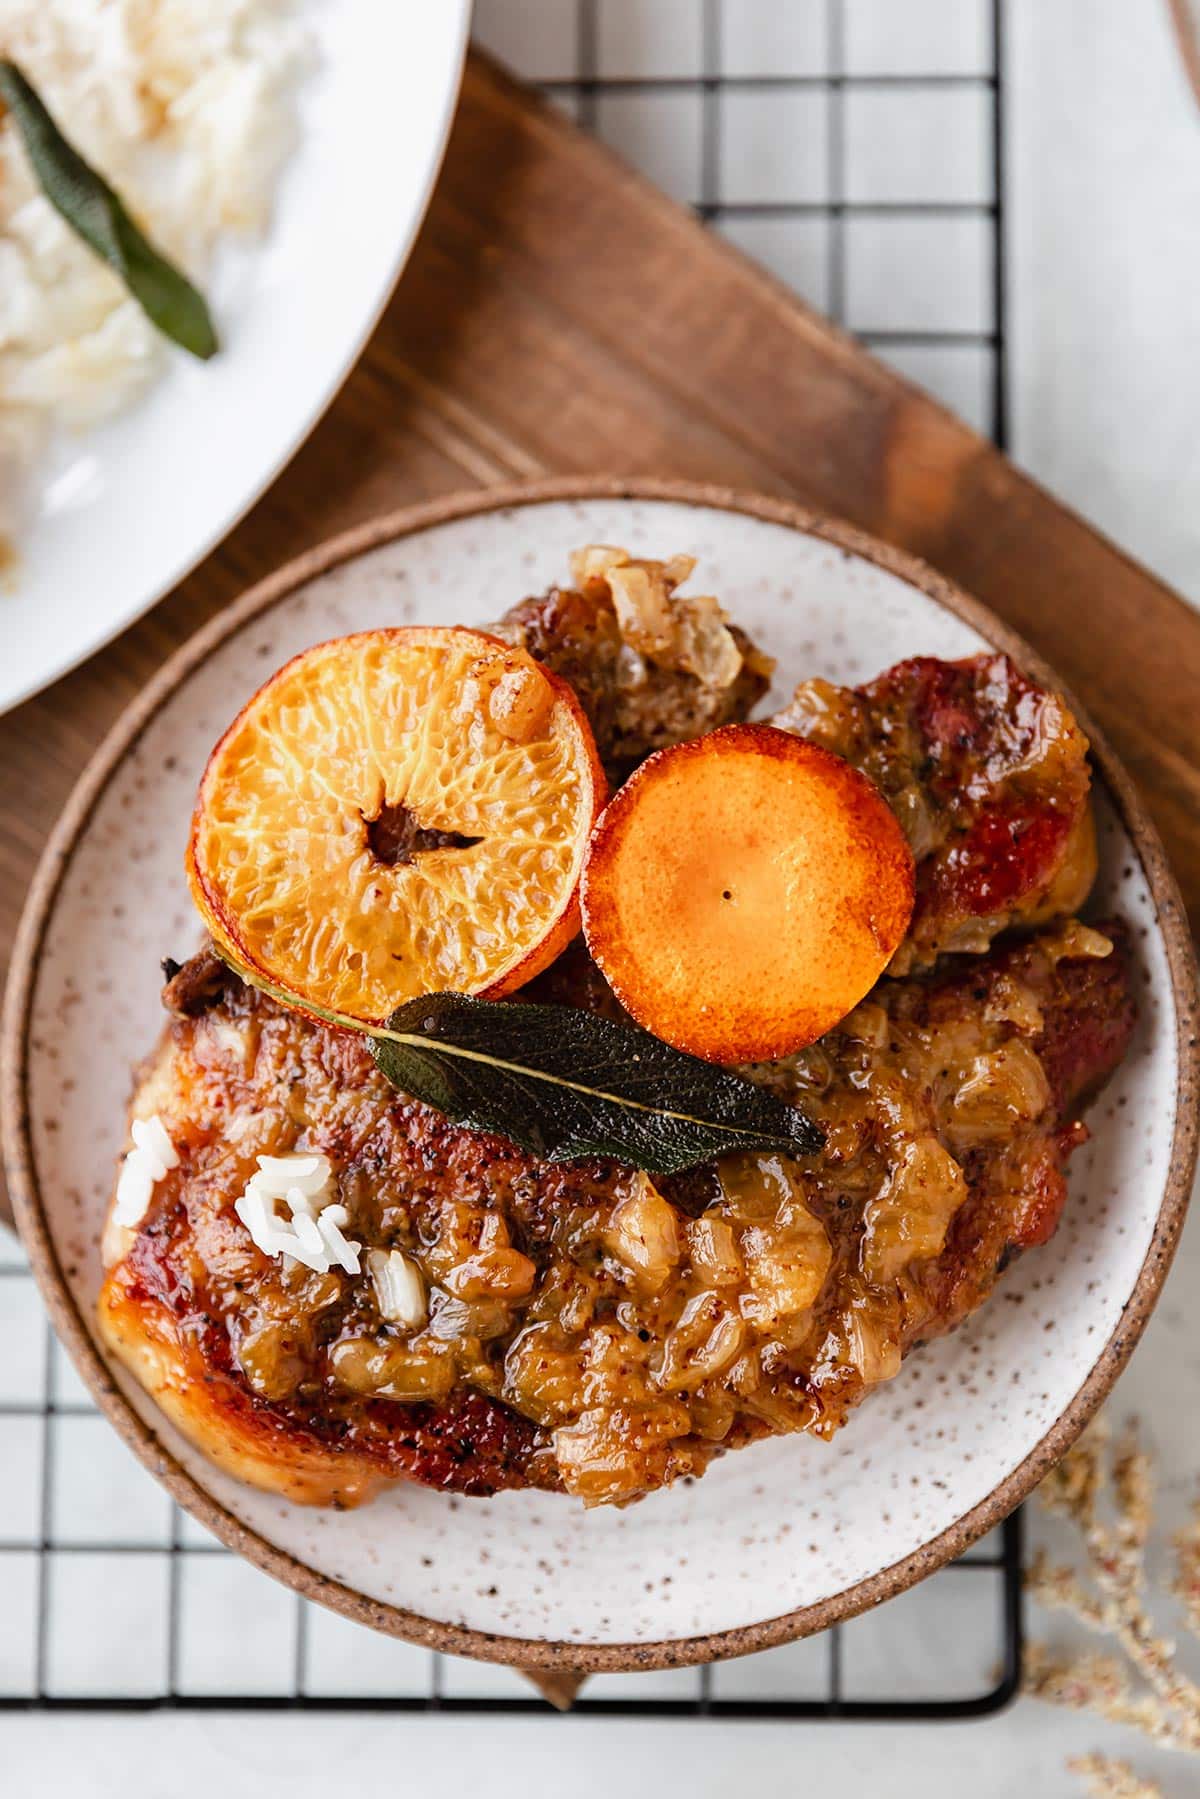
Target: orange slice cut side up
x: 744, y: 891
x: 396, y: 813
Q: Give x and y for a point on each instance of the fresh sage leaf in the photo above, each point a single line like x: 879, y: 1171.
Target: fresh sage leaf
x: 565, y: 1084
x: 96, y: 214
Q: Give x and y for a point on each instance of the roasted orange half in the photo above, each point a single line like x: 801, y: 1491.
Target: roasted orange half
x: 743, y: 892
x: 394, y: 813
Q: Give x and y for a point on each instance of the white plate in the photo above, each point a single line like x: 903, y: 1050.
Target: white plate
x: 128, y: 509
x: 786, y: 1524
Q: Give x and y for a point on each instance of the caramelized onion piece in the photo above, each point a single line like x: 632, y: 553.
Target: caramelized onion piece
x: 541, y: 1375
x: 714, y: 1252
x: 1002, y: 1089
x: 785, y: 1248
x: 643, y: 1233
x: 910, y: 1217
x: 706, y: 1339
x: 388, y: 1371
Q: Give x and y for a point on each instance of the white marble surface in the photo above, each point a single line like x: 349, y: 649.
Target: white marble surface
x: 1104, y: 288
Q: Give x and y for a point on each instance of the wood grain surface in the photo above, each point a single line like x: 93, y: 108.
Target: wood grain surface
x: 559, y: 315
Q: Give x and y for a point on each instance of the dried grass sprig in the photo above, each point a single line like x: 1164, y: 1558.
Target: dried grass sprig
x: 1097, y: 1684
x: 1186, y: 1585
x: 1105, y: 1490
x: 1107, y: 1779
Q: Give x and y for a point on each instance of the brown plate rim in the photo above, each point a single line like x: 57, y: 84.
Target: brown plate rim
x: 538, y: 1653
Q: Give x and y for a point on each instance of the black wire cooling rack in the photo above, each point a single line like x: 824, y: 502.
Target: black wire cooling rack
x: 187, y: 1624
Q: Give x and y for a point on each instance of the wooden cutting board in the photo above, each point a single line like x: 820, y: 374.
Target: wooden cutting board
x: 559, y: 316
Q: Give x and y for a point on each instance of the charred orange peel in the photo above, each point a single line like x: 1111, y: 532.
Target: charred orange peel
x: 742, y: 892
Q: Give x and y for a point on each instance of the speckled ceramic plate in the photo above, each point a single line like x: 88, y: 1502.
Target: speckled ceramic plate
x: 782, y: 1538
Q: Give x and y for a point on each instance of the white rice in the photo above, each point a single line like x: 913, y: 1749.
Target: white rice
x: 153, y: 1155
x: 187, y: 108
x: 313, y: 1233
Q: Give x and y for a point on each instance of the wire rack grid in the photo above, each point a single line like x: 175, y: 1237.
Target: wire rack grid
x: 856, y: 147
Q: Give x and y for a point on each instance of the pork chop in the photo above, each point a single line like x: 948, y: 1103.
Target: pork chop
x: 988, y: 776
x: 589, y: 1329
x: 582, y: 1327
x: 651, y: 666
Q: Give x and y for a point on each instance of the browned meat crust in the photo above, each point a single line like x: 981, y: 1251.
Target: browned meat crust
x: 192, y: 987
x: 587, y: 1330
x: 988, y: 775
x: 312, y: 1454
x: 634, y: 703
x: 1017, y: 1186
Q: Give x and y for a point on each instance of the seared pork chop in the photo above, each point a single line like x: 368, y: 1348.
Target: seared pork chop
x: 988, y: 776
x: 651, y: 667
x: 581, y: 1327
x: 589, y: 1329
x: 986, y: 772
